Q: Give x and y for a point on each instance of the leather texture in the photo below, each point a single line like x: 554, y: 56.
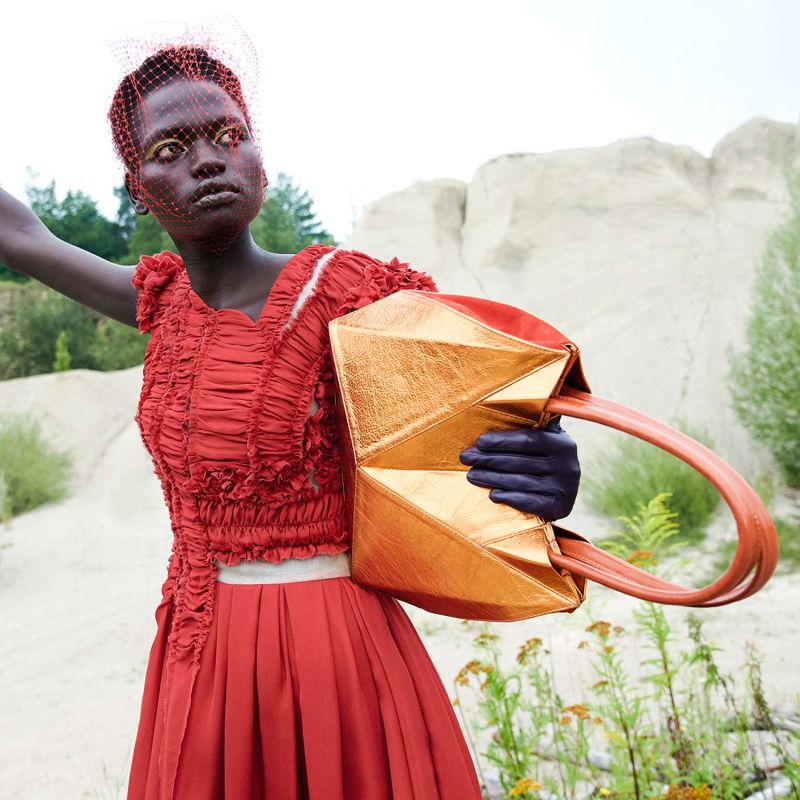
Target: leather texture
x: 419, y: 376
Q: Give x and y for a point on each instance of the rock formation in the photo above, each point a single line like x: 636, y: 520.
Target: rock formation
x: 642, y: 252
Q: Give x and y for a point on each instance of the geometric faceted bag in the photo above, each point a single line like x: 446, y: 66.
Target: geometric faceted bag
x: 419, y: 376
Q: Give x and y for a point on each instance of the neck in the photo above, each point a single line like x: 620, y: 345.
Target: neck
x: 217, y: 274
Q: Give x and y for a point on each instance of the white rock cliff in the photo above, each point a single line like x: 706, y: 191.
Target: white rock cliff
x: 641, y: 252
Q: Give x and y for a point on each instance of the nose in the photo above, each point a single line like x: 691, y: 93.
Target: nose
x: 205, y: 159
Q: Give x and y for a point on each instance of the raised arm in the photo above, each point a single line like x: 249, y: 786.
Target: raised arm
x: 27, y: 246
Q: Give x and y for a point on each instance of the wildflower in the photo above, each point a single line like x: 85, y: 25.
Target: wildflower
x: 566, y: 719
x: 483, y: 639
x: 619, y: 629
x: 470, y: 668
x: 455, y: 701
x: 523, y: 787
x: 529, y: 648
x: 597, y: 720
x: 701, y: 792
x: 604, y: 792
x: 598, y: 684
x: 578, y: 709
x: 608, y: 649
x: 600, y: 627
x: 583, y: 644
x: 640, y: 557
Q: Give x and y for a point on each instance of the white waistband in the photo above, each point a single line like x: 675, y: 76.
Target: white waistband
x: 289, y: 570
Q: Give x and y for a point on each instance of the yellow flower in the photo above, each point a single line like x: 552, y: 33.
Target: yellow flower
x: 529, y: 648
x: 578, y: 709
x: 600, y: 627
x: 566, y: 719
x: 523, y: 787
x: 640, y: 557
x: 608, y: 649
x: 473, y: 667
x: 582, y: 644
x: 604, y: 792
x: 619, y: 629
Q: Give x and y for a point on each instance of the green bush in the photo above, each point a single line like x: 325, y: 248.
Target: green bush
x: 45, y: 330
x: 764, y: 378
x: 32, y: 472
x: 787, y: 530
x: 678, y: 729
x: 631, y: 472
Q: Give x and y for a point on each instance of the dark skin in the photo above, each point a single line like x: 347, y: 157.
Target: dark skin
x: 213, y: 143
x: 190, y: 133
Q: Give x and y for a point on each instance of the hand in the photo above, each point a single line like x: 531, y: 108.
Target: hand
x: 533, y: 470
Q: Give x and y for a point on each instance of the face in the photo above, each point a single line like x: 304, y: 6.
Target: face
x: 199, y: 171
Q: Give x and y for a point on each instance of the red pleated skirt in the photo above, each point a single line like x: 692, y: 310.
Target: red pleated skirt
x: 317, y: 690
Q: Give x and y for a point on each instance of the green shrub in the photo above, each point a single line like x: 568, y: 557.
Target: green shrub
x: 675, y: 730
x: 786, y: 528
x: 44, y: 327
x: 32, y: 472
x: 631, y: 472
x: 764, y: 378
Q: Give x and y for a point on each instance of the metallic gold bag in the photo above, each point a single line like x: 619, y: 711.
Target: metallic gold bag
x: 420, y: 375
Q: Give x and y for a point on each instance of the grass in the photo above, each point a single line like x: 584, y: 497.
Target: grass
x: 630, y: 472
x: 787, y: 529
x: 32, y: 471
x: 678, y: 731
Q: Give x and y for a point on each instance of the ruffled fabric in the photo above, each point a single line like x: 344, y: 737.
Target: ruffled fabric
x: 152, y: 277
x: 379, y: 280
x: 225, y: 413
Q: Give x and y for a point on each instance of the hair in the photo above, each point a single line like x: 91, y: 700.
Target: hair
x: 168, y: 64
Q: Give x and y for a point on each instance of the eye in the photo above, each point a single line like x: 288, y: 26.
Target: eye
x: 168, y: 150
x: 230, y: 136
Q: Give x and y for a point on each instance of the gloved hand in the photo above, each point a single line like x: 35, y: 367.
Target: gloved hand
x: 530, y: 469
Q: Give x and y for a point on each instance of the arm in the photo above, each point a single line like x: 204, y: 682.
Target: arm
x: 27, y: 246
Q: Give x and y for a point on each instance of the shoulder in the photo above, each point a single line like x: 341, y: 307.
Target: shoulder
x: 364, y: 279
x: 154, y: 279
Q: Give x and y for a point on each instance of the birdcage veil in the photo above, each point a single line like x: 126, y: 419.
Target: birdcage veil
x: 207, y: 56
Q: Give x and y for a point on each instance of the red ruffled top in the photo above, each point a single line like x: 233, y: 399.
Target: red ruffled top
x: 225, y: 413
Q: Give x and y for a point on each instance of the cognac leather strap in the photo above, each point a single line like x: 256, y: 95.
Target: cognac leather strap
x: 757, y: 551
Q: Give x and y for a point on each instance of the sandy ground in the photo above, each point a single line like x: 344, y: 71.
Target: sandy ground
x: 81, y: 579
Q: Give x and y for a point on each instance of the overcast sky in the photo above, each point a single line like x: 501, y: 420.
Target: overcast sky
x: 359, y: 99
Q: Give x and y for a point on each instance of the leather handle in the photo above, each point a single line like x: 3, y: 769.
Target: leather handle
x: 757, y: 550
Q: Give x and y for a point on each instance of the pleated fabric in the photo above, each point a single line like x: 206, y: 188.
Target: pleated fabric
x: 314, y: 690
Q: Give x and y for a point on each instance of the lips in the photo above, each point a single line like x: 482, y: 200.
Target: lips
x: 212, y: 192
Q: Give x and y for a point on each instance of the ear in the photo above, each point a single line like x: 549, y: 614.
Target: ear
x: 138, y: 204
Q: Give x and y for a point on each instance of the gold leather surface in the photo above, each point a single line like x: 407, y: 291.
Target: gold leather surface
x: 417, y: 383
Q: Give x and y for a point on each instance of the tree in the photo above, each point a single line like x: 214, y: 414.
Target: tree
x: 77, y: 220
x: 764, y: 378
x: 287, y: 222
x: 144, y: 235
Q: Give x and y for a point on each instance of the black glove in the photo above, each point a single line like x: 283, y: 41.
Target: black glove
x: 530, y: 469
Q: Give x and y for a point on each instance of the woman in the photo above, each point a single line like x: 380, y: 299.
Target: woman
x: 272, y: 674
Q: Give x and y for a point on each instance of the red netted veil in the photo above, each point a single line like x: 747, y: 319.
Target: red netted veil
x: 184, y: 127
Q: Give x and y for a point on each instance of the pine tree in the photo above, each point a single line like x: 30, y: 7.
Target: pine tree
x: 287, y: 222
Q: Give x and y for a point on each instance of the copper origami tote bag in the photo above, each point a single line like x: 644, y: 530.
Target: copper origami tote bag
x: 419, y: 376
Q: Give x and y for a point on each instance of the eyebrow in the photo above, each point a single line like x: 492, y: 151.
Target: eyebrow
x: 173, y: 130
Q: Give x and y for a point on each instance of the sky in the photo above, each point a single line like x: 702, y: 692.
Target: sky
x: 360, y: 99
